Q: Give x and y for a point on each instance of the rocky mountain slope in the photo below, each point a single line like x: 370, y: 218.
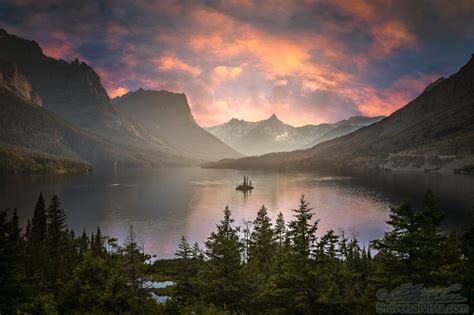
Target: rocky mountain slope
x: 34, y: 139
x: 273, y: 135
x: 14, y: 81
x: 73, y: 91
x: 434, y: 132
x: 167, y: 115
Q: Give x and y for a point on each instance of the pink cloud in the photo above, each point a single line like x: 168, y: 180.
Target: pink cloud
x: 173, y: 63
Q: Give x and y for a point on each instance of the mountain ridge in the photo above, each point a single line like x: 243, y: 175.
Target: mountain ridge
x: 433, y: 132
x: 273, y: 135
x: 74, y: 92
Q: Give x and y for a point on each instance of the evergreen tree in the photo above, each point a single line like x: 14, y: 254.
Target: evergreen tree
x: 302, y: 232
x: 83, y: 243
x: 197, y: 252
x: 55, y: 244
x: 134, y: 262
x: 36, y: 242
x: 262, y: 245
x: 413, y: 250
x: 97, y: 245
x: 326, y: 247
x: 184, y: 249
x: 302, y: 238
x: 398, y: 249
x: 10, y: 263
x: 280, y: 230
x: 85, y: 289
x: 432, y: 240
x: 222, y: 277
x: 185, y: 290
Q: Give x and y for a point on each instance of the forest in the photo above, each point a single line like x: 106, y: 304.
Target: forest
x: 281, y: 267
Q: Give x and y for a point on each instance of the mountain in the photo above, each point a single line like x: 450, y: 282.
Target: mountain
x: 14, y: 81
x: 273, y: 135
x: 33, y: 139
x: 432, y: 133
x: 343, y: 127
x: 73, y: 91
x: 167, y: 115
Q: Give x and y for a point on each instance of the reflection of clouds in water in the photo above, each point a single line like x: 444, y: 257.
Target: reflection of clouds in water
x: 209, y: 182
x: 115, y: 185
x: 318, y: 178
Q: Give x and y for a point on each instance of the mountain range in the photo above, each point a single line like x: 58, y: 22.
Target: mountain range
x: 432, y: 133
x: 73, y: 98
x: 273, y: 135
x: 57, y: 116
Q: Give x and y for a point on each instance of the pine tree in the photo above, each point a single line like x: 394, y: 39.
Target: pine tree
x: 432, y: 241
x: 185, y: 289
x: 83, y: 243
x: 97, y: 245
x: 302, y: 232
x: 326, y: 248
x: 223, y: 282
x: 55, y: 243
x: 262, y: 245
x: 302, y: 238
x: 134, y: 263
x: 10, y: 266
x: 197, y: 252
x: 184, y: 249
x: 411, y: 251
x: 280, y: 230
x: 37, y: 245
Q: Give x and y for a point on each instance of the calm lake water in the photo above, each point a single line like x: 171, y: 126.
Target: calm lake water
x: 164, y: 204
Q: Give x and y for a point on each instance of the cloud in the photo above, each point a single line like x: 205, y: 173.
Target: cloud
x: 225, y: 73
x: 306, y: 61
x: 172, y: 63
x: 117, y: 92
x: 390, y: 36
x: 398, y: 94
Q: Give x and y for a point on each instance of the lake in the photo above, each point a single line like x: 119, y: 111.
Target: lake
x: 164, y: 204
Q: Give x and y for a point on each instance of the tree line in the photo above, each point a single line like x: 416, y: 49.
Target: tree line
x: 258, y: 268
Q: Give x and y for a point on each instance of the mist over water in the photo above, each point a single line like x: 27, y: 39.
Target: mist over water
x: 164, y: 204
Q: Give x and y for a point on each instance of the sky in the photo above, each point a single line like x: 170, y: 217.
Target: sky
x: 307, y: 61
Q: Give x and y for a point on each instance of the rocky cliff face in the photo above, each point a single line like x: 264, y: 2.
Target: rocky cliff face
x: 167, y: 115
x: 74, y: 92
x: 71, y: 90
x: 12, y: 80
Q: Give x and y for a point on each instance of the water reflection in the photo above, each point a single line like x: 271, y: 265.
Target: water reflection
x: 165, y: 204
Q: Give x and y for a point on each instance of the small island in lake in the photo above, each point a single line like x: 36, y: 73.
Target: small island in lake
x: 245, y: 185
